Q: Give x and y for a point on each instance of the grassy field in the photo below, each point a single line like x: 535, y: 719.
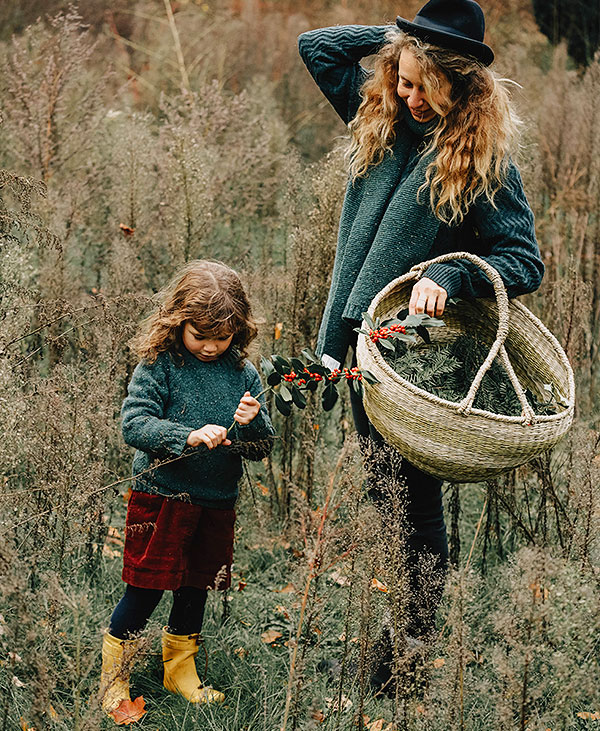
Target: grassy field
x: 119, y: 160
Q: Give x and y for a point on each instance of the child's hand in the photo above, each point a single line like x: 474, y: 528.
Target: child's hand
x: 247, y: 409
x: 212, y: 435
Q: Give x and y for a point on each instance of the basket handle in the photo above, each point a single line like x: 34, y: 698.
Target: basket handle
x: 497, y: 349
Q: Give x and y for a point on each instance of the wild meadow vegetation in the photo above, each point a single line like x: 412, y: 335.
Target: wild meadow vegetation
x: 135, y: 136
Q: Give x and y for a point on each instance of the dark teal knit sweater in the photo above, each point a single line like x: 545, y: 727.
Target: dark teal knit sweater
x: 166, y: 401
x: 380, y: 238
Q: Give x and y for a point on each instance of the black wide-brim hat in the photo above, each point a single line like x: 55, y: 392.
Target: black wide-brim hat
x: 455, y: 24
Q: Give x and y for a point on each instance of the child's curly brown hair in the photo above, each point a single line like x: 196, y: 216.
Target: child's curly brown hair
x: 210, y: 296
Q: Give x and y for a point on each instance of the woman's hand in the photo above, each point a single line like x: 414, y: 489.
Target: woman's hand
x: 427, y: 297
x: 247, y: 409
x: 212, y: 435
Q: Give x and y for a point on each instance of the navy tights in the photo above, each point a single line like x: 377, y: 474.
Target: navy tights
x: 136, y: 606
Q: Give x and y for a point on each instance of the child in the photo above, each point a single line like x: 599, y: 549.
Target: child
x: 192, y: 383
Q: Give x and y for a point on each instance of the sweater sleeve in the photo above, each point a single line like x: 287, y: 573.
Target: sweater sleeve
x: 142, y: 412
x: 508, y: 235
x: 332, y: 57
x: 255, y: 440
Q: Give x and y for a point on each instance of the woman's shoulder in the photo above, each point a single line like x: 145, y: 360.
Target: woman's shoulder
x: 510, y: 191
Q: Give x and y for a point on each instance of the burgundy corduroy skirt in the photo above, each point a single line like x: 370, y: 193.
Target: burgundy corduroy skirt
x: 171, y: 543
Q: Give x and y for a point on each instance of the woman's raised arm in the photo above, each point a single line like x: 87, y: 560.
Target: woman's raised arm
x: 332, y: 55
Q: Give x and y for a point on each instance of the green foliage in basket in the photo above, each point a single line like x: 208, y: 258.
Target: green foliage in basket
x: 448, y: 370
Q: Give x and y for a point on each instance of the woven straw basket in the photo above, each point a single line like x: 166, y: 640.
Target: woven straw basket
x: 455, y: 441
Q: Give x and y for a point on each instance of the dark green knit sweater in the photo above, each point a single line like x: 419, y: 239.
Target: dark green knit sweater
x: 382, y: 230
x: 166, y: 401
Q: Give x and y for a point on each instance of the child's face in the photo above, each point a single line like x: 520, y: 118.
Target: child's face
x: 204, y: 347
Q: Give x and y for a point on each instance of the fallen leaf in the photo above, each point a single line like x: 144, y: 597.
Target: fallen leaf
x: 439, y: 662
x: 263, y: 488
x: 278, y: 329
x: 25, y: 726
x: 376, y: 584
x: 52, y: 712
x: 114, y: 536
x: 270, y: 636
x: 241, y: 652
x: 377, y: 725
x: 109, y: 552
x: 17, y: 683
x: 332, y: 703
x: 126, y: 230
x: 280, y: 609
x: 340, y: 578
x: 587, y: 716
x: 287, y: 589
x: 129, y: 712
x: 318, y: 716
x: 241, y: 585
x: 539, y: 592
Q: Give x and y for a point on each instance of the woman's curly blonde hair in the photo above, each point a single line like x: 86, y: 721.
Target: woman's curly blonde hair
x: 210, y: 296
x: 476, y: 129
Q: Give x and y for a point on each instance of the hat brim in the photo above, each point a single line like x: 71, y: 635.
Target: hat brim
x: 465, y: 46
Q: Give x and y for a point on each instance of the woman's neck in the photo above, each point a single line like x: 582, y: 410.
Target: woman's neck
x: 417, y: 128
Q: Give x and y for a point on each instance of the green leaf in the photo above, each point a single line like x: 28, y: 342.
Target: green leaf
x: 312, y: 386
x: 357, y: 387
x: 368, y: 319
x: 330, y: 396
x: 392, y: 321
x: 298, y: 397
x: 385, y: 344
x: 266, y: 366
x: 422, y: 331
x: 281, y: 364
x: 284, y: 392
x: 319, y: 369
x: 309, y: 355
x: 414, y: 320
x: 404, y: 337
x: 297, y: 365
x: 361, y: 330
x: 273, y: 379
x: 369, y: 377
x: 283, y: 407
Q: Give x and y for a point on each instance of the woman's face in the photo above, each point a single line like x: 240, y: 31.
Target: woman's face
x: 410, y: 87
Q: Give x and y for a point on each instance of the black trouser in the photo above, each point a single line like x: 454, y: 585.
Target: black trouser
x: 136, y: 606
x: 424, y: 530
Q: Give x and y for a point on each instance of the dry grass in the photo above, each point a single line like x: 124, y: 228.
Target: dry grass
x: 220, y: 170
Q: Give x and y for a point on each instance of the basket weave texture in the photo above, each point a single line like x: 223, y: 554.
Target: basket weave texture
x: 455, y: 441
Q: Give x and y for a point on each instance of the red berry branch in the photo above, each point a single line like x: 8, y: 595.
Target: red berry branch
x: 290, y: 379
x: 404, y: 330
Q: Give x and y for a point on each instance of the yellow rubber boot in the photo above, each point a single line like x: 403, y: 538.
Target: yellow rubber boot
x: 179, y: 665
x: 117, y: 658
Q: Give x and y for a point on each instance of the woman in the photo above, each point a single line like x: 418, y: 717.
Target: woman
x: 430, y: 172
